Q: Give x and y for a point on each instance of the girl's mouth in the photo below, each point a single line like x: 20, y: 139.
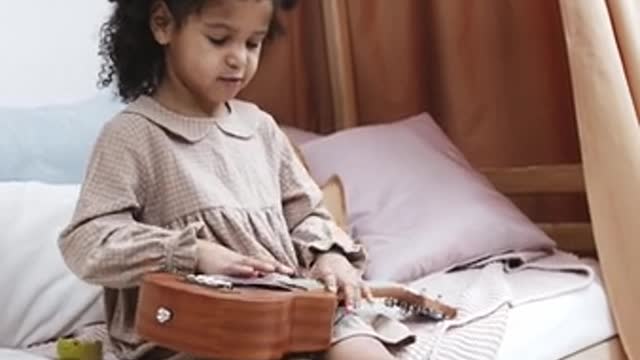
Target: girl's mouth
x: 230, y: 79
x: 231, y: 84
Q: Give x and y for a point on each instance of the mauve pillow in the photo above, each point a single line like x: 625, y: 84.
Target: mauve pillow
x: 299, y: 136
x: 415, y: 202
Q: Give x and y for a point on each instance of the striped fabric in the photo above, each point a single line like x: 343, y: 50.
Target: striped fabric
x: 477, y: 331
x: 484, y: 292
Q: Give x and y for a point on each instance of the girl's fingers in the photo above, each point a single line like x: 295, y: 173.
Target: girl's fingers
x: 285, y: 269
x: 350, y: 294
x: 366, y: 292
x: 241, y: 270
x: 357, y: 295
x: 268, y: 266
x: 258, y: 265
x: 281, y: 268
x: 330, y: 282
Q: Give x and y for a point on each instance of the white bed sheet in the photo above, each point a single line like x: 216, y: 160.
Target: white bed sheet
x: 559, y: 326
x: 10, y: 354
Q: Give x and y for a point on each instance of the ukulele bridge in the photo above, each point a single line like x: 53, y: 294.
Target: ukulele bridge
x: 210, y: 281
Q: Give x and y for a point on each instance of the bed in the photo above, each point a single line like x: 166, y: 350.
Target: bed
x: 583, y: 337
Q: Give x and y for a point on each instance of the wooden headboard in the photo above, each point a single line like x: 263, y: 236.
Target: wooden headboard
x: 576, y: 237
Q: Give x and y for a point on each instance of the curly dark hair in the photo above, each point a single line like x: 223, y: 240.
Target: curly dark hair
x: 131, y: 56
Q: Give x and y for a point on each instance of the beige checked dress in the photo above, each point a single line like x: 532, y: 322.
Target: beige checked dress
x: 157, y: 181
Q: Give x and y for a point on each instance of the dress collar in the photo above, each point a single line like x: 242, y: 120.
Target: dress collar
x: 195, y: 129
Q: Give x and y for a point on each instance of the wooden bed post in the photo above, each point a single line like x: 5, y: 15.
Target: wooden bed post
x: 341, y: 70
x: 610, y: 143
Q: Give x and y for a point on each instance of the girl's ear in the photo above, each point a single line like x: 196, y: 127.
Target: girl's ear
x: 161, y: 22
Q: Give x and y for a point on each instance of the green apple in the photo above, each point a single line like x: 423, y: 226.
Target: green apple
x: 71, y: 349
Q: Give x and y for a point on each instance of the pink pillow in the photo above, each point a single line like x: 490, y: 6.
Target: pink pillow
x: 299, y: 136
x: 415, y: 202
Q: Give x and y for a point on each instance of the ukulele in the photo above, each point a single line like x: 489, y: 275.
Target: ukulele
x: 220, y: 317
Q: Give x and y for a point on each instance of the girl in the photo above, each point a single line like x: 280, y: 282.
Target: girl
x: 186, y: 179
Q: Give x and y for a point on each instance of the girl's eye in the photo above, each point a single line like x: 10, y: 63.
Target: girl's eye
x: 253, y: 44
x: 217, y: 41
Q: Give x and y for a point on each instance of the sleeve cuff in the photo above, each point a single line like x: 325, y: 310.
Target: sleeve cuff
x: 180, y: 252
x: 339, y: 241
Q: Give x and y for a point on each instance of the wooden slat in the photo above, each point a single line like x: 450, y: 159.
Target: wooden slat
x: 543, y: 179
x: 340, y: 59
x: 608, y: 350
x: 572, y: 237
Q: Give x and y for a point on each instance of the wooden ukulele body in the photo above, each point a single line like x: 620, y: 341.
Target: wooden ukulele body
x: 236, y: 324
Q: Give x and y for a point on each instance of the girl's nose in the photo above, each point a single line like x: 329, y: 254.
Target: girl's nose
x: 236, y: 58
x: 232, y: 62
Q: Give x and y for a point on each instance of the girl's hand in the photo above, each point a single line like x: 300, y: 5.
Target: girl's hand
x: 216, y: 259
x: 337, y: 274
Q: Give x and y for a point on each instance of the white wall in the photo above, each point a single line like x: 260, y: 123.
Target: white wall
x: 48, y: 50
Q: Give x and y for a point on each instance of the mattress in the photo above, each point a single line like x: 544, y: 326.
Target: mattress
x: 559, y: 326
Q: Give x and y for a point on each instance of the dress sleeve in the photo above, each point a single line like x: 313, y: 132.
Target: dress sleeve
x: 312, y: 227
x: 105, y: 243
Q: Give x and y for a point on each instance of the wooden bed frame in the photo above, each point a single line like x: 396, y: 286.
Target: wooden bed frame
x: 574, y: 237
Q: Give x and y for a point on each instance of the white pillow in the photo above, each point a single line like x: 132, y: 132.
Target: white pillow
x: 49, y: 51
x: 41, y: 299
x: 414, y: 201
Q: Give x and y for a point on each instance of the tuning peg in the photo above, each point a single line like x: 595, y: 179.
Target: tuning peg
x: 390, y: 302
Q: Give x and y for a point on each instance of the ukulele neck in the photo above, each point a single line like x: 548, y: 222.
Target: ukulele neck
x: 390, y: 291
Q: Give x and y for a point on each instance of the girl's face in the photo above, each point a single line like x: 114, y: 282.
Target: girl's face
x: 214, y: 53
